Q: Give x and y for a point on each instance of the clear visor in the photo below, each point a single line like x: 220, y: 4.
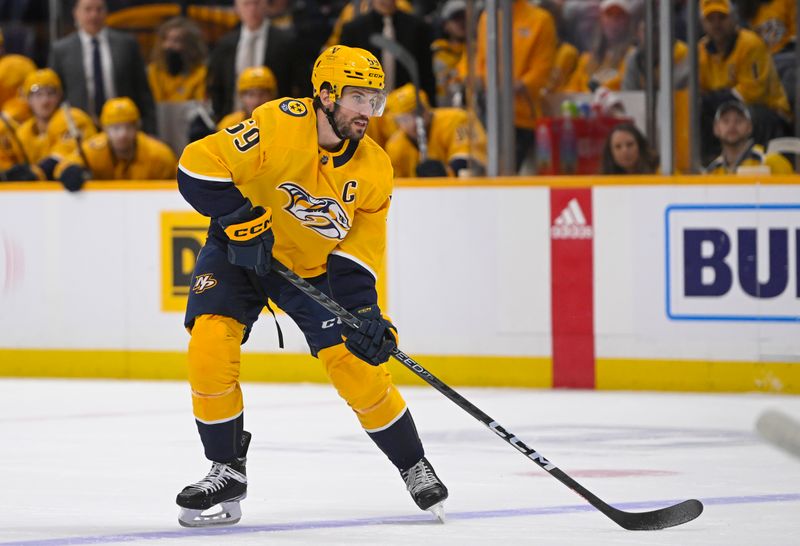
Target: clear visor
x: 363, y: 100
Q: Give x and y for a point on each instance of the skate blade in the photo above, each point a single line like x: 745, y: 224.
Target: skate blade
x: 438, y: 511
x: 228, y: 514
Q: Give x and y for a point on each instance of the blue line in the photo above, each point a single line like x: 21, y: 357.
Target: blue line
x: 388, y: 520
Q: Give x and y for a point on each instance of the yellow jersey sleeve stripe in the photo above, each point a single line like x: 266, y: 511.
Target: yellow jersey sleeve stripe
x: 203, y: 176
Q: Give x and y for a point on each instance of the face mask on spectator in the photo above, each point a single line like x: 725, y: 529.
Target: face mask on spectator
x: 174, y: 60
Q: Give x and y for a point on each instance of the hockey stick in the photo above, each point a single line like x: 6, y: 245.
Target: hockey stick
x: 72, y: 129
x: 410, y: 64
x: 657, y: 519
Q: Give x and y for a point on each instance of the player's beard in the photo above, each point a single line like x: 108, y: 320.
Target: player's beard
x: 346, y: 127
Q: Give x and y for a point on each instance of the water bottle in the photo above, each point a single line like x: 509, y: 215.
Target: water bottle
x: 544, y: 150
x: 567, y: 142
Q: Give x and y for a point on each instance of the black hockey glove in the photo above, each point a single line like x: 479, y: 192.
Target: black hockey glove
x: 73, y: 177
x: 431, y: 168
x: 250, y: 237
x: 20, y: 172
x: 375, y: 338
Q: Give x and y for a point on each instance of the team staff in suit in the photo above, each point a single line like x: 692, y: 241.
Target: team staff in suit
x: 97, y: 63
x: 408, y: 30
x: 255, y: 43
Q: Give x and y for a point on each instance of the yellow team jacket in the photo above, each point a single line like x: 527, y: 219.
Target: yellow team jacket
x: 448, y: 140
x: 154, y: 160
x: 183, y: 87
x: 35, y: 143
x: 748, y: 70
x: 564, y: 66
x: 606, y: 71
x: 753, y: 157
x: 231, y: 119
x: 322, y: 202
x: 10, y: 147
x: 534, y: 42
x: 776, y: 23
x: 446, y: 56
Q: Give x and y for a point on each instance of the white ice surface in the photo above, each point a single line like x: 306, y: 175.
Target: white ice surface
x: 100, y: 462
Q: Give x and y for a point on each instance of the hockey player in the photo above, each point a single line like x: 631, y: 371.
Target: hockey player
x: 454, y: 144
x: 256, y: 85
x: 44, y: 138
x: 298, y: 181
x: 120, y: 152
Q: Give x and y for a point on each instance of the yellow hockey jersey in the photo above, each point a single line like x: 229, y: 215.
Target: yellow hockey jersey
x: 231, y: 119
x: 534, y: 43
x: 747, y: 69
x: 183, y: 87
x: 10, y: 147
x: 35, y: 142
x: 451, y: 140
x: 323, y: 203
x: 776, y: 23
x: 153, y: 160
x: 753, y: 157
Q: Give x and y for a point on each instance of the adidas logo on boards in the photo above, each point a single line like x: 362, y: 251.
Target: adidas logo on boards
x: 571, y: 223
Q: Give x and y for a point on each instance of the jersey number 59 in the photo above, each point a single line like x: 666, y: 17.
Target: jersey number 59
x: 245, y: 135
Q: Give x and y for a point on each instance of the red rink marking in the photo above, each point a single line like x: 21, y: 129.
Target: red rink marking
x: 572, y: 287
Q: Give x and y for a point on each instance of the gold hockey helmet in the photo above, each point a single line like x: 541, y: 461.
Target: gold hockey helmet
x: 119, y: 110
x: 257, y: 77
x: 341, y: 66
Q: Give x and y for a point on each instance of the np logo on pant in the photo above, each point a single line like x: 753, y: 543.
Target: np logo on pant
x: 203, y: 282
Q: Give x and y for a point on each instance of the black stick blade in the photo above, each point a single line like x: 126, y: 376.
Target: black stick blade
x: 662, y: 518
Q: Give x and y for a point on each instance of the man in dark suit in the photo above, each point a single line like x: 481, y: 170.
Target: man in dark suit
x: 408, y: 30
x: 255, y: 43
x: 96, y: 63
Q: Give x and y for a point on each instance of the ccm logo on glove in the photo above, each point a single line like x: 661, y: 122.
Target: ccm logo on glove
x: 247, y: 230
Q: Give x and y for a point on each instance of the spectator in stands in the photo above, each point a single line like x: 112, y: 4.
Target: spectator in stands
x: 256, y: 86
x: 626, y: 151
x: 255, y: 43
x: 566, y: 54
x: 773, y: 20
x: 351, y: 10
x: 96, y: 63
x: 534, y: 49
x: 13, y: 71
x: 447, y: 52
x: 410, y: 31
x: 735, y: 64
x: 634, y: 79
x: 604, y: 64
x: 120, y: 152
x: 776, y: 21
x: 733, y: 127
x: 177, y: 71
x: 454, y: 143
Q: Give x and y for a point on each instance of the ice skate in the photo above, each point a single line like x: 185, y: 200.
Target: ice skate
x: 225, y: 485
x: 425, y: 487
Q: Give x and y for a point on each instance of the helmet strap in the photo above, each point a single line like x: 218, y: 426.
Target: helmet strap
x: 331, y: 119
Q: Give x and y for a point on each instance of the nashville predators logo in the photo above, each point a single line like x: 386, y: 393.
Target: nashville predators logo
x: 294, y: 108
x: 204, y: 282
x: 322, y: 214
